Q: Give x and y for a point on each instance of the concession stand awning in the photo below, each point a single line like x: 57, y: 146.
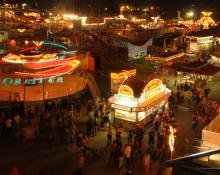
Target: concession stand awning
x: 136, y: 100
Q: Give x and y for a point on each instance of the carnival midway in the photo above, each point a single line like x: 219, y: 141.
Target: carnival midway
x: 130, y: 94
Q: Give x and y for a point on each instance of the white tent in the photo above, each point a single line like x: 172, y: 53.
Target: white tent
x: 211, y: 133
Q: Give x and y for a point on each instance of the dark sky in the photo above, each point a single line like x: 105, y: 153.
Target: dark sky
x: 169, y: 6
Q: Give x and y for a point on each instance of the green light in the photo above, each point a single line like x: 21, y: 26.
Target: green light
x: 55, y: 44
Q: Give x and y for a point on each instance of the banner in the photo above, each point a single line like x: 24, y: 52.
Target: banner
x: 138, y: 52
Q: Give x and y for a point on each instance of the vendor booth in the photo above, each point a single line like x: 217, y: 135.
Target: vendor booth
x: 136, y: 100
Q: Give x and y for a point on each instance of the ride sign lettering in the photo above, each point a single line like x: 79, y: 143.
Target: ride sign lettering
x: 30, y: 81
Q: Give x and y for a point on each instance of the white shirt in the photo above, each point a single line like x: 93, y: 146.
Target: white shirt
x: 17, y: 119
x: 127, y: 151
x: 8, y: 123
x: 91, y: 113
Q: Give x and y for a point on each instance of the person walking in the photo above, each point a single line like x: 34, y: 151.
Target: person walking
x: 67, y: 136
x: 73, y: 133
x: 120, y: 163
x: 8, y: 126
x: 17, y: 121
x: 151, y: 137
x: 50, y: 140
x: 130, y: 136
x: 127, y: 155
x: 85, y: 143
x: 109, y: 136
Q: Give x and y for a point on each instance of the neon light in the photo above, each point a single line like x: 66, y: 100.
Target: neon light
x: 123, y: 74
x: 49, y: 63
x: 30, y: 81
x: 21, y: 30
x: 2, y: 52
x: 54, y: 44
x: 25, y: 59
x: 125, y: 90
x: 68, y: 52
x: 28, y: 49
x: 62, y: 57
x: 152, y: 84
x: 57, y: 71
x: 11, y: 58
x: 84, y: 21
x: 70, y: 16
x: 38, y: 43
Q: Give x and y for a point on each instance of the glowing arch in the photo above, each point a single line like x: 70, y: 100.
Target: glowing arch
x: 152, y: 85
x: 125, y: 90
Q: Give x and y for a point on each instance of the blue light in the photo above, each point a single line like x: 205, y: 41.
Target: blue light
x: 55, y: 44
x: 62, y: 57
x: 2, y: 52
x: 68, y: 52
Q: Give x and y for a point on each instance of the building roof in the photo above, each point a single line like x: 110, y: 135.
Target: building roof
x: 196, y: 67
x: 207, y: 32
x: 136, y: 84
x: 208, y: 70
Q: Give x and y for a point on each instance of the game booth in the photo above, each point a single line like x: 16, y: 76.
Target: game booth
x: 136, y: 100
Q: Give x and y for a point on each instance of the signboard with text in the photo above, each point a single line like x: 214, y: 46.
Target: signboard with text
x: 125, y: 90
x: 118, y: 78
x: 152, y: 85
x: 8, y: 81
x: 152, y: 88
x: 124, y: 108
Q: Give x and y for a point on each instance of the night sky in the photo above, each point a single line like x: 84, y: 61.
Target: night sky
x: 167, y: 6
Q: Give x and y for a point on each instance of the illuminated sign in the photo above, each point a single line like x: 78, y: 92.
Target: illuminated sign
x: 153, y: 92
x: 123, y: 74
x: 21, y: 30
x: 30, y: 81
x: 125, y: 90
x: 125, y: 115
x: 125, y: 98
x: 117, y: 79
x: 152, y: 85
x: 38, y: 43
x: 124, y: 108
x: 138, y: 109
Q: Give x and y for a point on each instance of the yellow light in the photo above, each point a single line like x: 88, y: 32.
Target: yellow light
x: 83, y: 20
x: 123, y: 74
x: 71, y: 26
x: 26, y: 42
x: 171, y: 139
x: 21, y: 30
x: 70, y: 17
x: 125, y: 90
x: 38, y: 43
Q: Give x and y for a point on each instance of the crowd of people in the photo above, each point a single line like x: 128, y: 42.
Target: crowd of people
x: 151, y: 148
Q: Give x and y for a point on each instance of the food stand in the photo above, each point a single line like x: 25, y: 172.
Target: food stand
x: 136, y: 100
